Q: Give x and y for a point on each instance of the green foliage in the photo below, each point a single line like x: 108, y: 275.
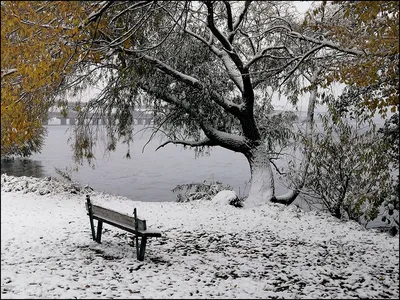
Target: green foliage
x: 390, y: 135
x: 276, y: 128
x: 349, y: 173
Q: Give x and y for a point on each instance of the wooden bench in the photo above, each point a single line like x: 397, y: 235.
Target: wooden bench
x: 131, y: 224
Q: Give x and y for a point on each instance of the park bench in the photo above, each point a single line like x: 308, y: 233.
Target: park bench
x: 130, y: 224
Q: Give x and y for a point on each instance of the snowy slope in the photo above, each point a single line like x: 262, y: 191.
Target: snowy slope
x: 208, y: 250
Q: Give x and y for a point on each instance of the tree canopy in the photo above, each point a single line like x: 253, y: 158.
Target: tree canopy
x: 206, y: 70
x: 36, y: 54
x: 372, y: 79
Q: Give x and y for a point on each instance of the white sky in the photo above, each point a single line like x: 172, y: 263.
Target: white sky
x: 208, y: 250
x: 303, y: 6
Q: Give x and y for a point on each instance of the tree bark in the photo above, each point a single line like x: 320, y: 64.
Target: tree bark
x: 262, y: 188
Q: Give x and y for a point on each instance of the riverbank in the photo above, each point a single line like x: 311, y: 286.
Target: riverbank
x: 208, y: 250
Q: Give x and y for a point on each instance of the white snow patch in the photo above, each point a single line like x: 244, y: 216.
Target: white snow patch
x: 224, y: 197
x: 271, y: 251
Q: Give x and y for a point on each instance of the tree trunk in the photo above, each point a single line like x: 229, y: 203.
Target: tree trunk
x: 262, y: 188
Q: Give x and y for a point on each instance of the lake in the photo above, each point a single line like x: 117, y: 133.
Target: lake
x: 147, y: 176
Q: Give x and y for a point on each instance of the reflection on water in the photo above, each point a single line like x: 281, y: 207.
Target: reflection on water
x: 22, y: 167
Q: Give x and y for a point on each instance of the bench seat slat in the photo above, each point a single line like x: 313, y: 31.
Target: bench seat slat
x: 131, y: 229
x: 118, y: 217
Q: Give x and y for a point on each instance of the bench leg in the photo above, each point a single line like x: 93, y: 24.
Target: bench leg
x: 140, y: 253
x: 137, y: 245
x: 92, y: 227
x: 99, y: 231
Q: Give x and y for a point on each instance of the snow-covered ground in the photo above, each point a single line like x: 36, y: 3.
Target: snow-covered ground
x: 208, y: 250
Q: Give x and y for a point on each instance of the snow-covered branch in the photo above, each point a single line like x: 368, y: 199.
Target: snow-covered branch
x: 235, y: 26
x: 321, y: 41
x: 325, y: 43
x: 222, y: 39
x: 167, y: 97
x: 229, y: 106
x: 315, y: 49
x: 170, y: 71
x: 262, y: 54
x: 253, y: 48
x: 246, y: 85
x: 229, y: 141
x: 210, y: 23
x: 234, y: 142
x: 205, y: 142
x: 96, y: 14
x: 235, y: 76
x: 7, y: 72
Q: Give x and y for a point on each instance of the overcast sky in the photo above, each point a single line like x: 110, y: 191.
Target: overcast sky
x: 302, y: 6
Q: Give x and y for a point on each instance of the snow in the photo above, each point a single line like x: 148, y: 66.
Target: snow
x: 208, y: 250
x: 232, y: 71
x: 223, y: 197
x: 179, y: 75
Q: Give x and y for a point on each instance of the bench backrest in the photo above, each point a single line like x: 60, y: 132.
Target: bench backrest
x: 105, y: 213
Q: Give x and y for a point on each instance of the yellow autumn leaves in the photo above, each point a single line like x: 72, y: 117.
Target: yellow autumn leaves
x: 36, y: 41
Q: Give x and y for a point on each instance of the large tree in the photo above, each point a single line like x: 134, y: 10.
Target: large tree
x: 206, y: 70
